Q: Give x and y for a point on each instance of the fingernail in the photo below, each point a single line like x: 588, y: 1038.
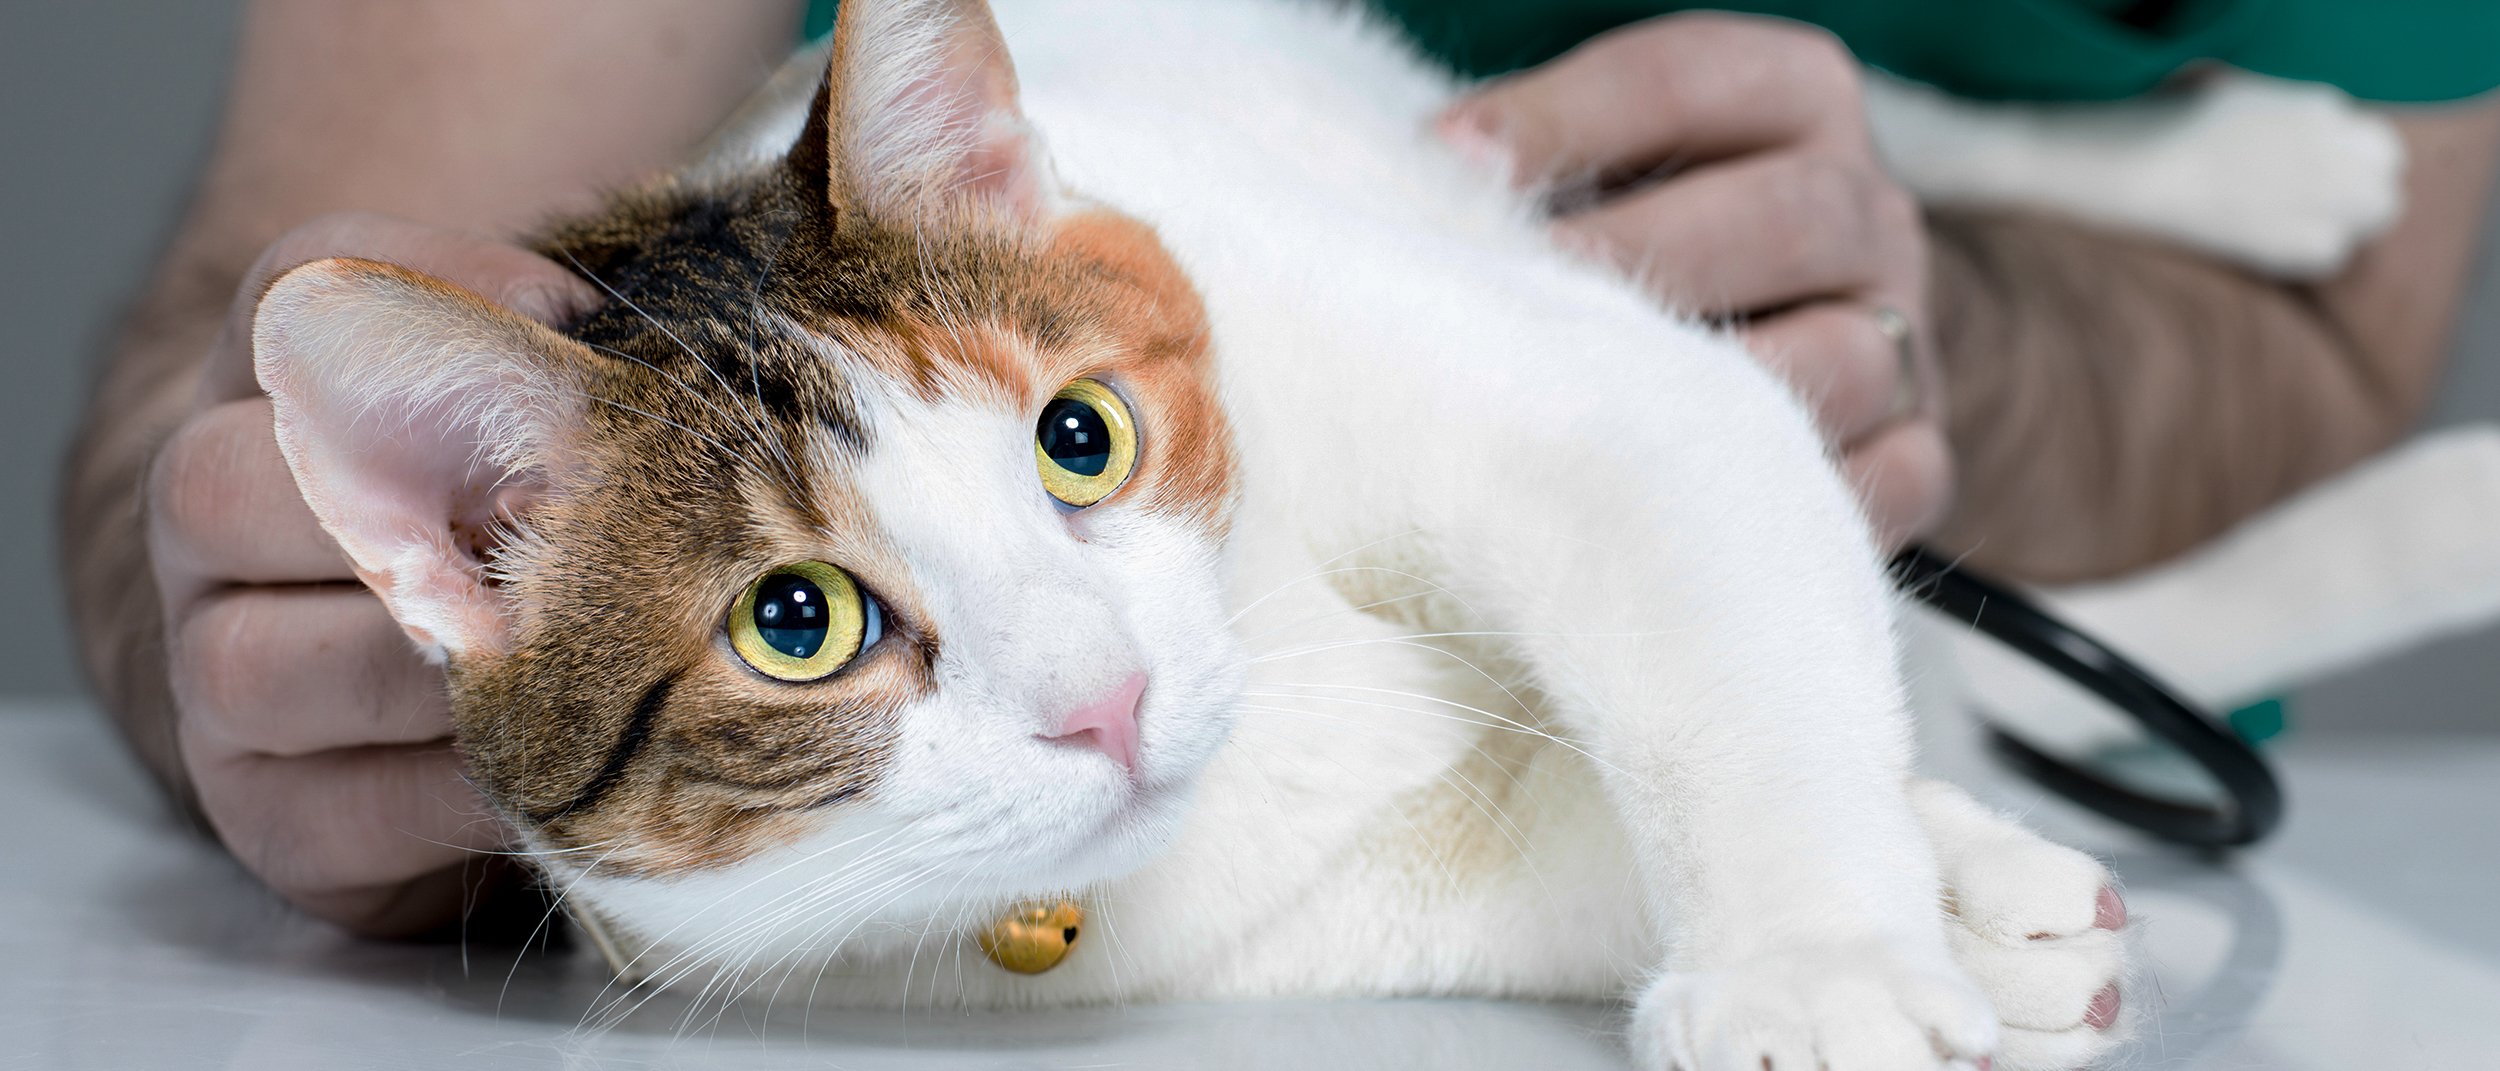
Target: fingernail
x: 535, y: 302
x: 545, y: 304
x: 1470, y: 128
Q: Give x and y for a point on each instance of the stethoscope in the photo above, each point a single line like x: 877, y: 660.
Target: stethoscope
x: 2251, y: 802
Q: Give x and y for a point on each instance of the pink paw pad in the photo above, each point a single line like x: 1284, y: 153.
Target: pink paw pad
x: 2104, y: 1008
x: 2109, y: 912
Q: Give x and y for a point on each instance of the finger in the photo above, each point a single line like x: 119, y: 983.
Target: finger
x: 1683, y: 88
x: 224, y: 508
x: 343, y: 820
x: 501, y: 272
x: 1904, y: 479
x: 1757, y: 233
x: 1839, y: 360
x: 480, y: 891
x: 289, y: 671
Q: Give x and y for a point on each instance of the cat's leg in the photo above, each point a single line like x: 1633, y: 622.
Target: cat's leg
x: 2036, y: 924
x: 1675, y: 569
x: 1645, y: 529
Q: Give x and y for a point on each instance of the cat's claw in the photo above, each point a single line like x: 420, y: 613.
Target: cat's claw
x: 2038, y: 926
x: 1840, y: 1009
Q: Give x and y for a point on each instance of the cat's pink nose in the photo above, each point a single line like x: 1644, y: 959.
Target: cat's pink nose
x: 1108, y: 725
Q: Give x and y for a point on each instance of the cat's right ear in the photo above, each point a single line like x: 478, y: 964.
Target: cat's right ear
x: 917, y: 122
x: 419, y: 420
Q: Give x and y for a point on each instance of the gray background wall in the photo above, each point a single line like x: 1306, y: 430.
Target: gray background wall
x: 106, y: 107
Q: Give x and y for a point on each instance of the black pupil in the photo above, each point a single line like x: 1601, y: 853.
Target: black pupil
x: 790, y: 614
x: 1074, y: 437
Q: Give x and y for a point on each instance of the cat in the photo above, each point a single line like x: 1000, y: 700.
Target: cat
x: 1122, y: 474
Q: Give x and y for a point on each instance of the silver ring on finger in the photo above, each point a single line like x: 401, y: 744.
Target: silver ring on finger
x: 1906, y: 397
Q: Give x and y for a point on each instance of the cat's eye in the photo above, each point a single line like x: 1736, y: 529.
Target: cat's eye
x: 1085, y: 443
x: 802, y: 621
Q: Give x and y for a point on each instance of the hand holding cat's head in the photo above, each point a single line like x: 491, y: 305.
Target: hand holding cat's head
x: 816, y: 387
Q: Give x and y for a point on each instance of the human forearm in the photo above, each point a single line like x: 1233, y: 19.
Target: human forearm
x: 2115, y: 401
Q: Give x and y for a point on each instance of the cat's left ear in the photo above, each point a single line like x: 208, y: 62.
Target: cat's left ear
x: 419, y: 419
x: 917, y: 121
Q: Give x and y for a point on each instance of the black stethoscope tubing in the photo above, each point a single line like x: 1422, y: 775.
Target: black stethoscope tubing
x: 2253, y: 802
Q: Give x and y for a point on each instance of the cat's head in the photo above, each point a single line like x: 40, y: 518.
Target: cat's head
x: 862, y: 554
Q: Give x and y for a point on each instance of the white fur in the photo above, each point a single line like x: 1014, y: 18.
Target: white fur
x: 1549, y: 659
x: 2394, y: 554
x: 2286, y: 177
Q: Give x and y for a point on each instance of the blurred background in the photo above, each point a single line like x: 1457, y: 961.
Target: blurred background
x: 106, y: 110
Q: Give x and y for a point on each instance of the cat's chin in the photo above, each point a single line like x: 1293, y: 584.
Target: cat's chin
x: 846, y: 891
x: 1128, y: 837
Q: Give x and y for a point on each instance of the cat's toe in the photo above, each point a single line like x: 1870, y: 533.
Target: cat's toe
x: 2058, y: 997
x: 1835, y: 1009
x: 2040, y: 927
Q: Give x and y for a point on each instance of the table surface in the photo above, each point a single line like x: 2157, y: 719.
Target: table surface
x: 2363, y: 936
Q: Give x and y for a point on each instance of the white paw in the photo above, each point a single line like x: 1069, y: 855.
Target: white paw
x: 1849, y: 1008
x: 2037, y: 925
x: 2286, y: 177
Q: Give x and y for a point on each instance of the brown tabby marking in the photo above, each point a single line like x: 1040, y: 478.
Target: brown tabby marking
x: 621, y: 727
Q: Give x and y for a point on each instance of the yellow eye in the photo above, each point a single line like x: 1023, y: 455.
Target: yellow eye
x: 1085, y: 443
x: 802, y: 621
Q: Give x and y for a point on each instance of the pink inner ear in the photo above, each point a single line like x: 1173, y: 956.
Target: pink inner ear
x: 413, y: 415
x: 999, y: 161
x: 926, y: 96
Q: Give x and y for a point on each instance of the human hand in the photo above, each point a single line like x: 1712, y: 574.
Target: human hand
x: 318, y: 739
x: 1724, y: 161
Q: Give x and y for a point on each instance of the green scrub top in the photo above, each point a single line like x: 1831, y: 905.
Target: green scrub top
x: 2390, y: 50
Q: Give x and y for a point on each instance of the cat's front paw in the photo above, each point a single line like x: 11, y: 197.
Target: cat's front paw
x: 1842, y: 1008
x: 2037, y: 925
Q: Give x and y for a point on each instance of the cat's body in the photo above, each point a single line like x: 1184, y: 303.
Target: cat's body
x: 1364, y: 393
x: 1497, y: 633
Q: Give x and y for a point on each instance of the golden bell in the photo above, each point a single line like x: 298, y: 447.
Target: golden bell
x: 1033, y: 938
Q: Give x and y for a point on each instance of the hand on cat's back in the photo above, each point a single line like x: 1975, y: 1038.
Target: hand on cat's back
x: 1724, y: 161
x: 319, y: 740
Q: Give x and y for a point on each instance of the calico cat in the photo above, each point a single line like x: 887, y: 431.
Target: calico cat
x: 1229, y: 532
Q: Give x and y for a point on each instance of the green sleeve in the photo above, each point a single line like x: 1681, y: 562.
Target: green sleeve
x: 819, y: 20
x: 2392, y: 50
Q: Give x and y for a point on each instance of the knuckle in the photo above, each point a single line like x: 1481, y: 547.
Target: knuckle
x: 1810, y: 59
x: 1866, y: 194
x: 216, y: 665
x: 1854, y: 202
x: 1827, y: 192
x: 1806, y: 58
x: 1887, y: 201
x: 187, y: 490
x: 319, y: 236
x: 1873, y: 361
x: 1822, y: 61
